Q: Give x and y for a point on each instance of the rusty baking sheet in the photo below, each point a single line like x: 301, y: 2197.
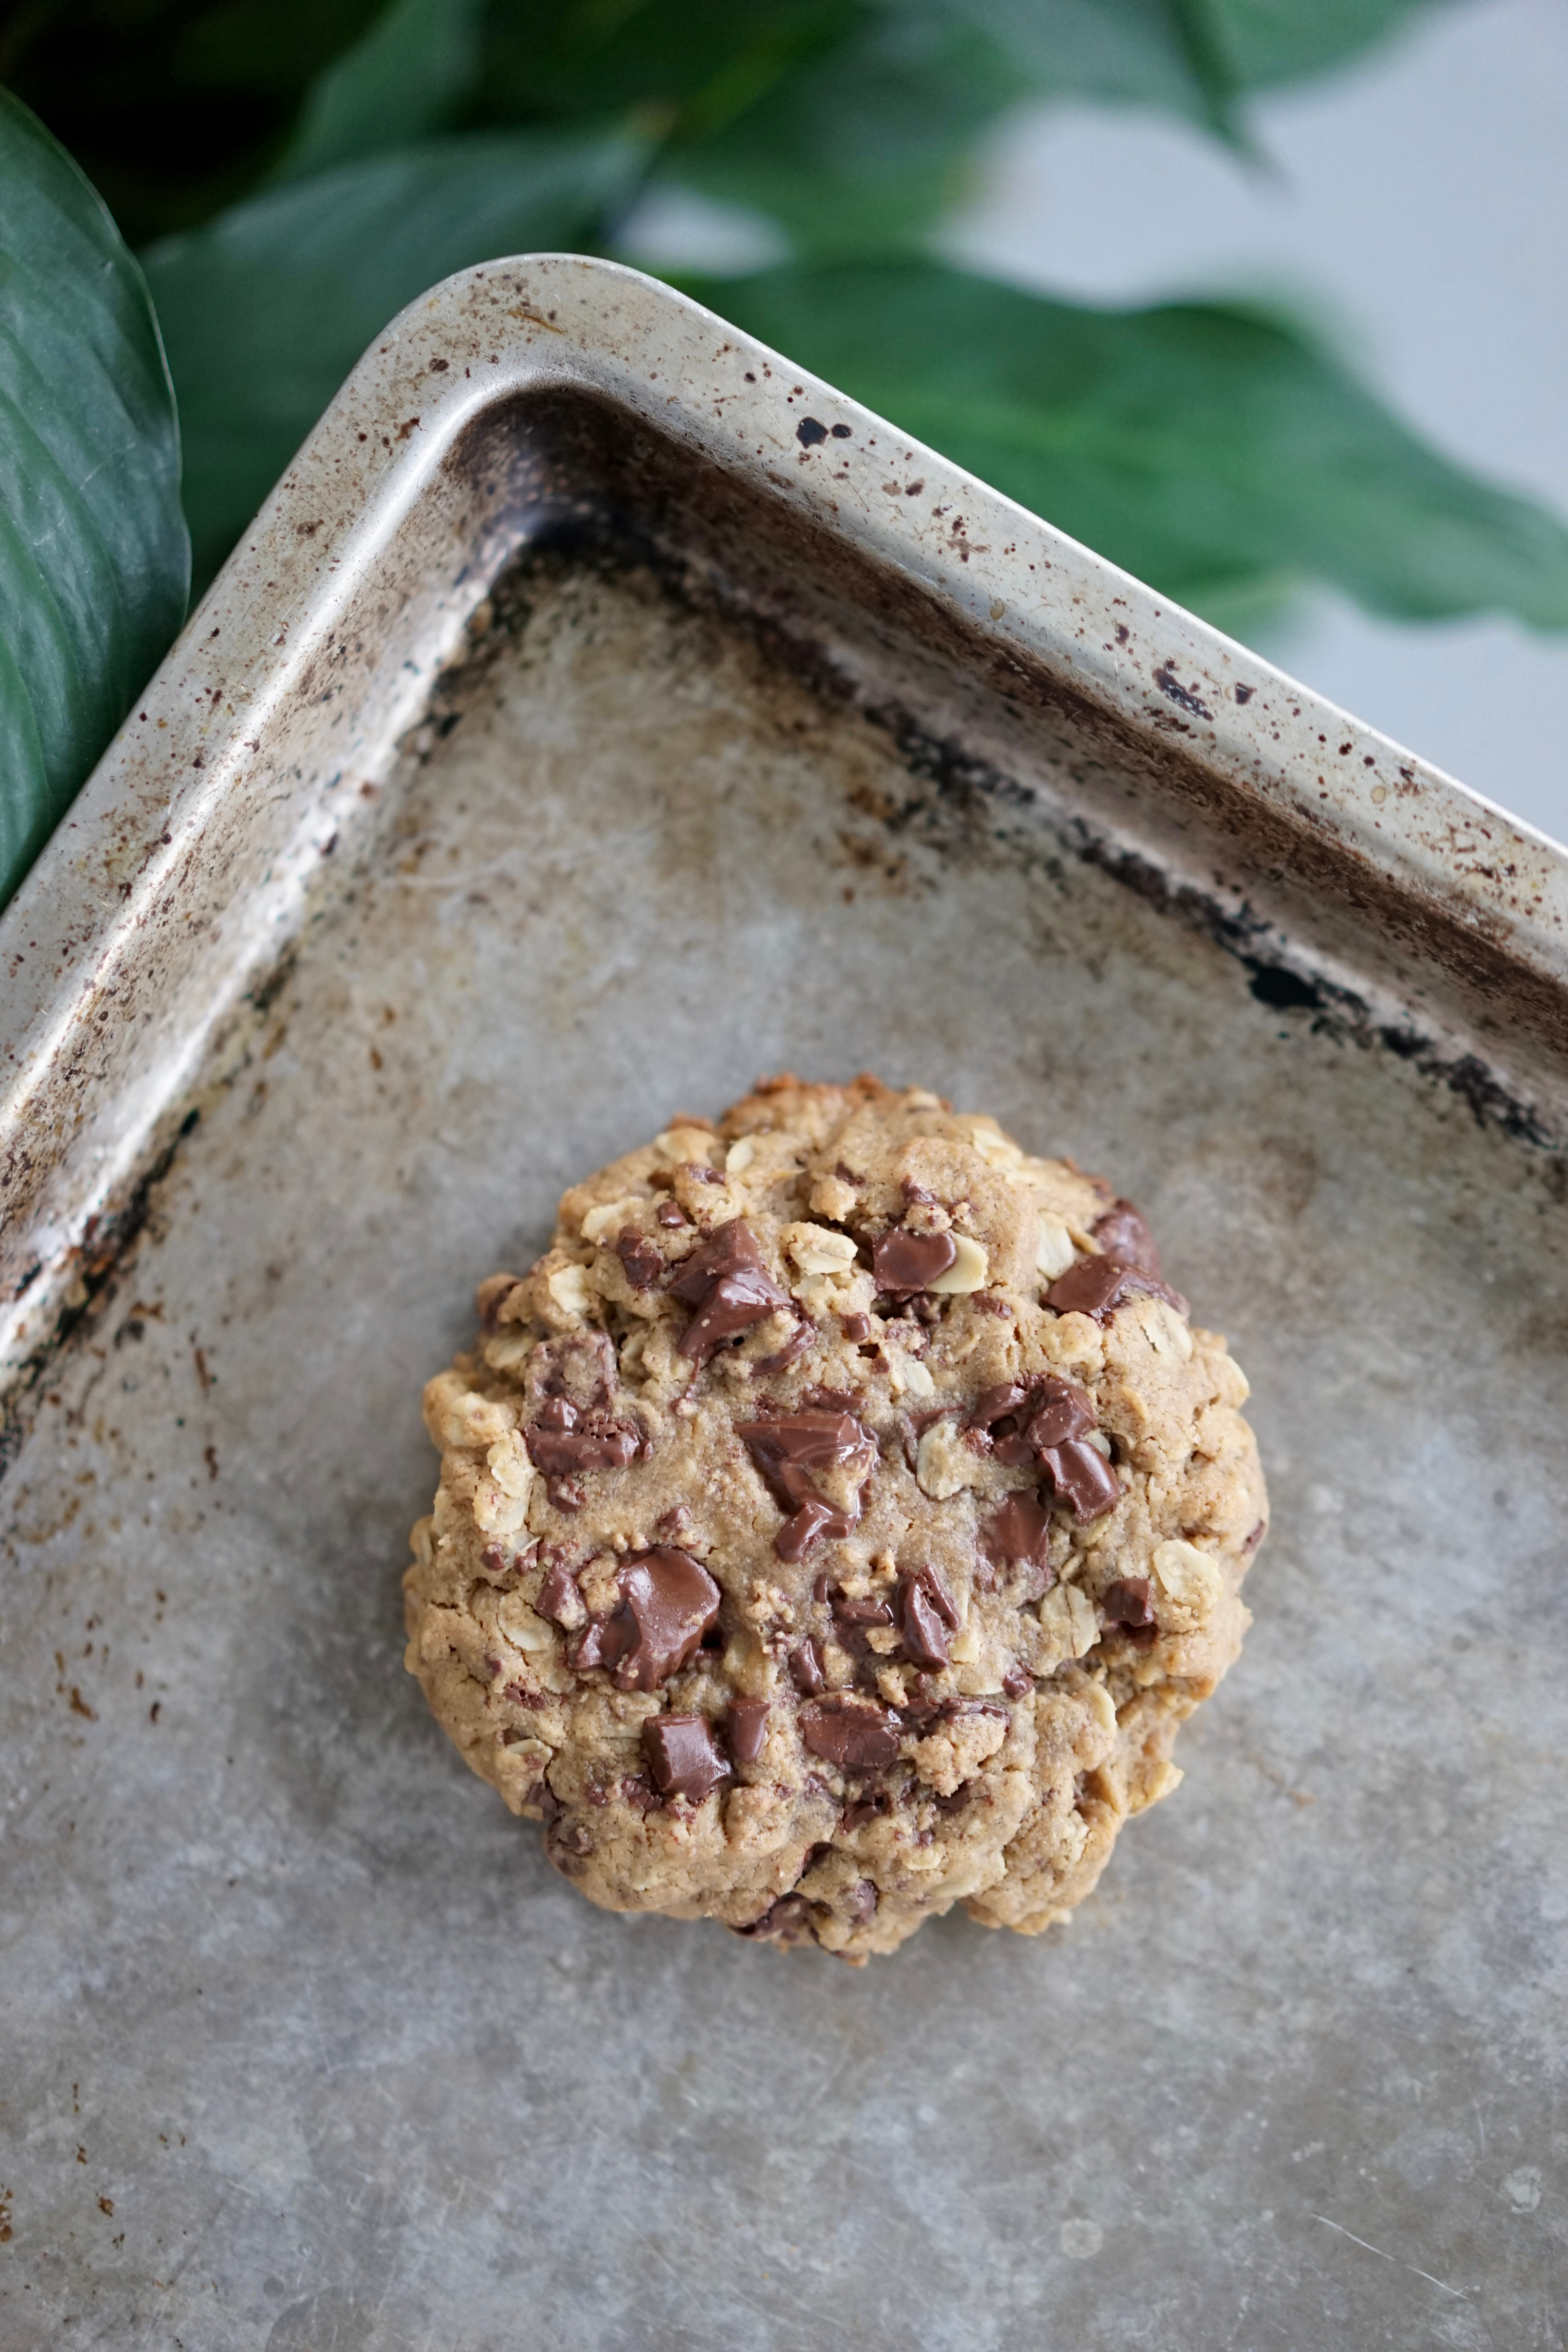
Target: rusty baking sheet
x: 567, y: 760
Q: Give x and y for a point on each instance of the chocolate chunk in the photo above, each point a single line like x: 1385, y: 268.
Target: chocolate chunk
x: 559, y: 1598
x: 965, y: 1794
x: 746, y: 1729
x: 861, y: 1901
x: 1124, y: 1235
x: 1082, y: 1477
x: 786, y: 1447
x: 814, y: 1518
x: 1016, y: 1681
x: 787, y: 1921
x: 726, y: 1277
x: 636, y: 1793
x: 857, y: 1327
x: 926, y: 1617
x: 866, y: 1610
x: 667, y: 1602
x: 806, y: 1667
x: 861, y: 1810
x: 850, y: 1732
x: 1254, y: 1538
x: 803, y: 1337
x: 995, y: 1404
x: 786, y: 1443
x: 1094, y: 1285
x: 670, y: 1216
x: 1061, y: 1411
x: 683, y: 1756
x: 565, y: 1439
x: 642, y: 1262
x: 1130, y: 1602
x: 845, y: 1174
x: 729, y: 1248
x: 902, y: 1262
x: 1019, y: 1531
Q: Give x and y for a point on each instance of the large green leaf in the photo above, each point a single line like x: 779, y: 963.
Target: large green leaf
x: 94, y: 559
x: 409, y: 75
x: 859, y: 149
x: 265, y: 313
x: 1213, y: 452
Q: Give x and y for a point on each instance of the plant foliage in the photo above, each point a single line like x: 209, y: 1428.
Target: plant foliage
x: 94, y: 557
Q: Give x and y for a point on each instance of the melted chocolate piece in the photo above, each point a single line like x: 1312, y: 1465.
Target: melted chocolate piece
x: 1061, y: 1412
x: 786, y: 1443
x: 683, y: 1756
x: 642, y: 1262
x: 1130, y: 1602
x: 729, y: 1248
x: 786, y: 1447
x: 926, y: 1618
x: 1019, y: 1531
x: 746, y: 1729
x: 850, y: 1732
x: 799, y: 1340
x: 559, y: 1598
x: 726, y: 1279
x: 1095, y: 1286
x: 857, y: 1327
x: 814, y: 1518
x: 670, y: 1216
x: 902, y: 1262
x: 806, y: 1667
x: 965, y: 1794
x: 1124, y: 1235
x: 667, y: 1602
x: 861, y: 1810
x: 861, y: 1901
x: 567, y: 1439
x: 1016, y: 1681
x: 1082, y: 1477
x: 787, y: 1921
x: 998, y: 1403
x: 867, y: 1610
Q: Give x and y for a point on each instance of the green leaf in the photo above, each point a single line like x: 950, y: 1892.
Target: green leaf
x: 1266, y: 42
x: 265, y: 313
x: 1213, y: 452
x: 859, y: 149
x: 407, y: 76
x: 94, y: 559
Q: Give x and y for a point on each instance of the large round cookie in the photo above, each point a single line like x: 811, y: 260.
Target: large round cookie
x: 835, y: 1525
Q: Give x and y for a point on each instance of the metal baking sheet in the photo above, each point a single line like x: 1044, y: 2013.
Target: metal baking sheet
x: 589, y: 749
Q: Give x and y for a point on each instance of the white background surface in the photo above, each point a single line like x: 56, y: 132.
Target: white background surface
x: 1419, y: 208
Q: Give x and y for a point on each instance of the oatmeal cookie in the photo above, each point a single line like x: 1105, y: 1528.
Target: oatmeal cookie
x: 835, y: 1525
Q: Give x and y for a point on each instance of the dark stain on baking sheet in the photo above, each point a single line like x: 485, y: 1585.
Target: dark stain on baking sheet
x: 573, y: 475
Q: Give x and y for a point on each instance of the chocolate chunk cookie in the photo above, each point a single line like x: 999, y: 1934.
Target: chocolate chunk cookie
x: 835, y: 1525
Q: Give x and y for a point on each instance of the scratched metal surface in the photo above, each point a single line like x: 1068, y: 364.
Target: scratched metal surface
x: 307, y: 2048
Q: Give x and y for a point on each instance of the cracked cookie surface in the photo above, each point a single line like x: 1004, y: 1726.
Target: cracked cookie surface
x: 835, y: 1524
